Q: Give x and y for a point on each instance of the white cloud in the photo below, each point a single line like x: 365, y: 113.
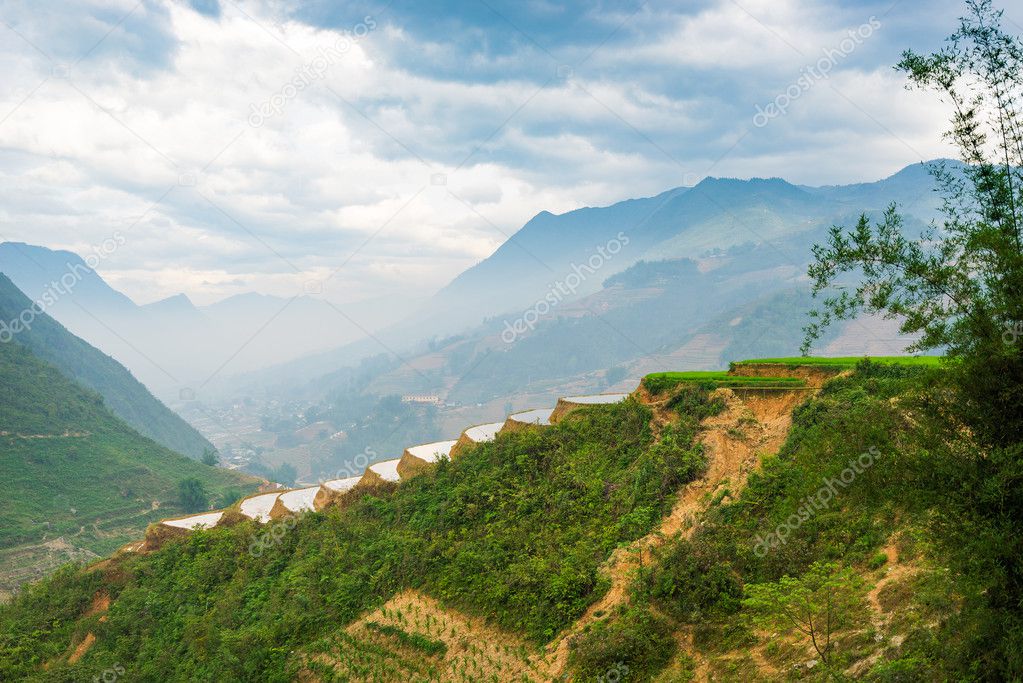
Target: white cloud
x: 274, y: 206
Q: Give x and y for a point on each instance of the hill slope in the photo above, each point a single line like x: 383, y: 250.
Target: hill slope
x: 645, y: 538
x: 122, y: 393
x: 76, y: 479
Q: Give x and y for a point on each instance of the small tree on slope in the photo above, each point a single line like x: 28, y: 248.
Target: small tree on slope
x: 817, y: 604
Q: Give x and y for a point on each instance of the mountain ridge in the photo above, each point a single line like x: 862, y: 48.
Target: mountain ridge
x: 83, y: 363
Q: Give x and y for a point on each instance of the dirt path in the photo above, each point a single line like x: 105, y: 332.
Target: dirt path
x: 65, y: 435
x: 735, y: 440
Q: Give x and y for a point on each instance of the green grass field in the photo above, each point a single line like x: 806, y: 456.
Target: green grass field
x: 845, y: 361
x: 662, y: 381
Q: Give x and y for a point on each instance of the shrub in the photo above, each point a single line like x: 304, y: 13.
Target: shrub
x: 692, y: 585
x: 632, y: 639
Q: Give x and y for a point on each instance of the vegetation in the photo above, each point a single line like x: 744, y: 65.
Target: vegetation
x: 192, y: 495
x: 960, y: 287
x: 635, y: 639
x: 843, y: 362
x: 417, y: 641
x: 818, y: 604
x: 787, y: 532
x: 661, y: 382
x: 210, y: 457
x: 71, y: 469
x: 467, y: 533
x: 203, y: 607
x: 123, y: 395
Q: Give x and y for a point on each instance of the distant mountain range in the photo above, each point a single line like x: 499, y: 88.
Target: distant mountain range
x: 177, y: 347
x: 761, y: 229
x: 174, y: 346
x: 716, y: 214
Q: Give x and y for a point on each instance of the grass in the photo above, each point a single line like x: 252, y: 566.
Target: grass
x: 73, y: 470
x: 844, y: 361
x: 660, y: 382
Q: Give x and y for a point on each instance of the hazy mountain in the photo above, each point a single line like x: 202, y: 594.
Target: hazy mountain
x: 176, y: 347
x: 78, y: 481
x: 758, y: 232
x: 36, y: 270
x: 125, y: 396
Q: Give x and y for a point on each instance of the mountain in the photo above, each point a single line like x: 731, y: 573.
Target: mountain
x: 125, y: 396
x: 37, y: 270
x: 175, y: 347
x: 702, y: 223
x: 717, y: 213
x: 77, y: 481
x: 912, y: 189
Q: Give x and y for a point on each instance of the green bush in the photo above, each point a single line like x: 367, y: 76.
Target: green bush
x: 416, y: 641
x: 692, y: 585
x: 633, y: 642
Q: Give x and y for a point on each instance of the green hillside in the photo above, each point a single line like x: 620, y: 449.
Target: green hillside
x: 76, y: 479
x: 521, y: 532
x: 124, y: 395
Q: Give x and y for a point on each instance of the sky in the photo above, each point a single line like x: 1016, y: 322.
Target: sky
x: 356, y: 149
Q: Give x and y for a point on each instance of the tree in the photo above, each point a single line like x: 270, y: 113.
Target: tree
x: 960, y: 286
x: 817, y: 604
x: 210, y: 457
x: 192, y: 495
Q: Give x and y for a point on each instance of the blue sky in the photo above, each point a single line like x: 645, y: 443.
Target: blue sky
x: 422, y: 134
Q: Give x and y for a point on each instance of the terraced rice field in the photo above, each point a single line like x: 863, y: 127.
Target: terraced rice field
x: 541, y: 416
x: 844, y: 362
x: 387, y: 470
x: 484, y: 433
x: 342, y: 485
x: 204, y: 521
x: 432, y: 452
x: 258, y: 507
x: 596, y: 399
x: 300, y: 500
x: 662, y: 381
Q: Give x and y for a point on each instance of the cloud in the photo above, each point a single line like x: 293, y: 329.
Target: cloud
x: 393, y: 148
